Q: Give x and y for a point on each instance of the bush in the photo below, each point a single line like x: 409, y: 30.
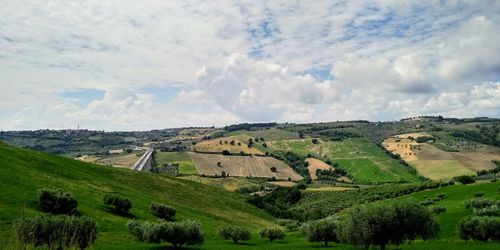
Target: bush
x: 290, y: 225
x: 479, y: 194
x: 176, y: 233
x: 480, y: 228
x: 441, y: 196
x: 56, y: 202
x: 272, y: 234
x: 248, y: 189
x: 163, y: 211
x: 121, y: 204
x: 493, y: 210
x: 57, y: 232
x: 324, y: 230
x: 234, y: 233
x: 438, y: 209
x: 465, y: 179
x: 478, y: 203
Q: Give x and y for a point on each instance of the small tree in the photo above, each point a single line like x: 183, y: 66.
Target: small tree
x: 121, y: 204
x: 163, y: 211
x: 314, y: 141
x: 324, y: 230
x: 480, y: 228
x: 272, y: 234
x: 250, y: 142
x: 235, y: 234
x: 438, y: 209
x: 176, y: 233
x: 226, y: 152
x: 273, y: 169
x: 57, y: 232
x: 219, y: 164
x: 56, y: 201
x: 465, y: 179
x: 264, y: 145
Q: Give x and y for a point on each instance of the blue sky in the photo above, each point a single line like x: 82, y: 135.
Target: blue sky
x: 140, y: 65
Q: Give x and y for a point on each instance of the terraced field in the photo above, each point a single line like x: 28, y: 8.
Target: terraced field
x: 362, y: 159
x: 246, y: 166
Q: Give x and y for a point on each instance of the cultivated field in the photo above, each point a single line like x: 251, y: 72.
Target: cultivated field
x: 229, y: 184
x: 186, y: 166
x: 221, y: 144
x: 362, y: 159
x: 124, y: 161
x: 315, y: 164
x: 245, y: 166
x: 272, y: 134
x: 436, y: 164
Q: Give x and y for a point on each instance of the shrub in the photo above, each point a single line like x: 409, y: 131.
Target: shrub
x: 493, y: 210
x: 176, y: 233
x: 290, y: 225
x: 234, y: 233
x: 324, y: 230
x: 427, y: 202
x: 478, y: 203
x: 480, y: 228
x: 273, y: 169
x: 163, y: 211
x: 465, y: 179
x: 121, y: 204
x: 57, y: 232
x: 438, y: 209
x: 479, y: 194
x: 272, y: 234
x: 248, y: 189
x: 441, y: 196
x: 56, y: 201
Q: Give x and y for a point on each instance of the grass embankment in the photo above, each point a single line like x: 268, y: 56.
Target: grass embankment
x: 22, y: 172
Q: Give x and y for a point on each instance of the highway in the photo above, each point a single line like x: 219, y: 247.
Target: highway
x: 144, y: 163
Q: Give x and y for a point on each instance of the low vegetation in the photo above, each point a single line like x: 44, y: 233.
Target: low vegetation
x: 119, y: 203
x: 235, y: 233
x: 272, y: 234
x: 56, y: 201
x: 176, y: 233
x: 163, y: 211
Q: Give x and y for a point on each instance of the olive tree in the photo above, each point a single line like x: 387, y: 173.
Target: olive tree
x: 234, y: 233
x: 480, y: 228
x: 176, y: 233
x: 324, y: 230
x: 163, y: 211
x: 381, y: 224
x: 56, y: 201
x: 121, y: 204
x: 272, y: 234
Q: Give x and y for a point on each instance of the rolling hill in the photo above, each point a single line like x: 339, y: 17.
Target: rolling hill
x: 22, y: 172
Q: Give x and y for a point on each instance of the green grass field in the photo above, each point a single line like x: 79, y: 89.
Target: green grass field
x: 362, y: 159
x: 186, y: 165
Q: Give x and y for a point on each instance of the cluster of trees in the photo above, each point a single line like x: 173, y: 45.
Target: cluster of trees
x: 331, y: 174
x: 237, y: 234
x: 278, y: 201
x: 484, y: 224
x: 375, y: 224
x: 58, y: 230
x: 465, y: 179
x: 249, y: 126
x: 485, y: 135
x: 176, y: 233
x: 295, y: 161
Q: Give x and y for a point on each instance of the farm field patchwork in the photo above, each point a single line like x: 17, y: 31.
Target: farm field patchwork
x: 123, y: 161
x: 362, y: 159
x: 272, y: 134
x: 245, y: 166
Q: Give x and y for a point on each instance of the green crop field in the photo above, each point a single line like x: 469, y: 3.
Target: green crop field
x: 362, y: 159
x: 186, y: 165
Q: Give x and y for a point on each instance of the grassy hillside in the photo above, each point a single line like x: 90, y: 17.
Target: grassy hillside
x: 22, y: 172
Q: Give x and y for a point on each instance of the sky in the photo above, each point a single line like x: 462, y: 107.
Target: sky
x: 141, y: 65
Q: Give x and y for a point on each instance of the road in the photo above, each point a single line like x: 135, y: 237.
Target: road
x: 144, y: 163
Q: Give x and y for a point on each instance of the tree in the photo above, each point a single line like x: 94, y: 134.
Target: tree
x: 465, y: 179
x: 232, y: 143
x: 219, y: 164
x: 324, y: 230
x: 301, y: 134
x: 272, y: 234
x: 273, y: 169
x: 234, y: 233
x: 250, y: 142
x: 264, y: 145
x: 379, y: 224
x: 57, y: 232
x: 56, y: 201
x: 163, y: 211
x: 176, y: 233
x: 314, y: 141
x: 226, y: 152
x: 121, y: 204
x: 480, y: 228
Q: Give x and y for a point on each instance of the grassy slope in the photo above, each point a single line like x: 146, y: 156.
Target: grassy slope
x: 22, y: 172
